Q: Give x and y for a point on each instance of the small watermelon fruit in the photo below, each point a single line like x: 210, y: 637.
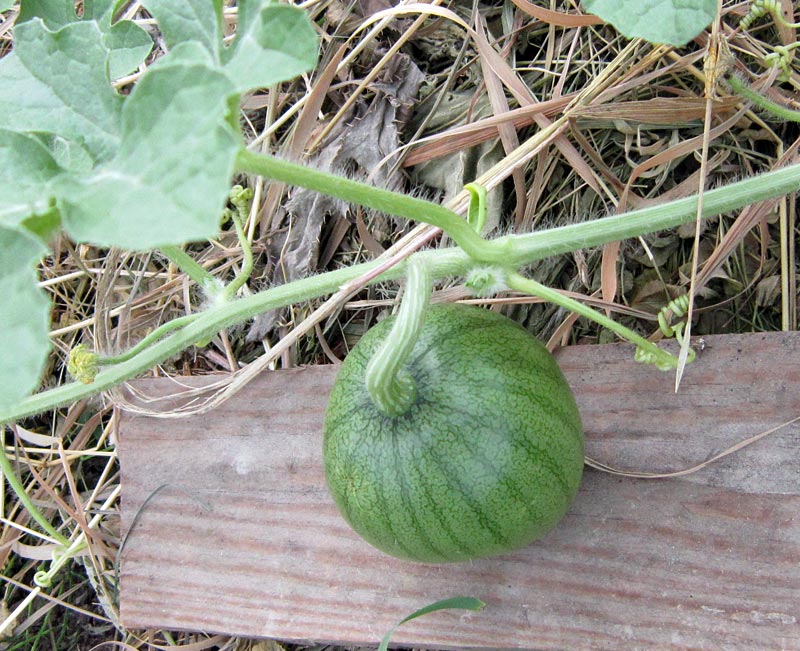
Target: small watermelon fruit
x: 487, y: 459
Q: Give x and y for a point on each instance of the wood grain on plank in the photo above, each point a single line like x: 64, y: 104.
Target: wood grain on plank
x: 234, y: 532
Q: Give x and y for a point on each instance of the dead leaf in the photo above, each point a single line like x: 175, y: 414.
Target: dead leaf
x: 358, y: 148
x: 768, y: 290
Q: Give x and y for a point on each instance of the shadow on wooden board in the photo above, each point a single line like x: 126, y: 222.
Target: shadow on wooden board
x: 235, y: 533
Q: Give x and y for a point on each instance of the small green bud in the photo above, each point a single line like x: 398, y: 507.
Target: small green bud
x: 240, y: 197
x: 486, y: 280
x: 83, y: 364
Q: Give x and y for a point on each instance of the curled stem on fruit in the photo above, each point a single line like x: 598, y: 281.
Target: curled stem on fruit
x: 646, y: 351
x: 389, y: 384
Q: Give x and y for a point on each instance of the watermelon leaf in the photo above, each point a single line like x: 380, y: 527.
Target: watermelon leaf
x: 39, y: 89
x: 26, y: 315
x: 675, y: 22
x: 147, y: 169
x: 198, y: 21
x: 171, y: 176
x: 279, y: 30
x: 27, y: 170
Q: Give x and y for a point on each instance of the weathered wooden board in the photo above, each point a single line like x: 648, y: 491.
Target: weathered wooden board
x: 235, y: 532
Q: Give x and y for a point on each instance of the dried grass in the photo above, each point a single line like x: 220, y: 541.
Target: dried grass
x: 588, y: 122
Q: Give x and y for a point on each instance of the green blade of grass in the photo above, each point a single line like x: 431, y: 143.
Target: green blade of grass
x: 453, y: 603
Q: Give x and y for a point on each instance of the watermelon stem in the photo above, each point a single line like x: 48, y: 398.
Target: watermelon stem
x: 389, y: 384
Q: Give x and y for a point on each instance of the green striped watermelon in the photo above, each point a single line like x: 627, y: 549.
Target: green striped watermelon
x: 487, y: 459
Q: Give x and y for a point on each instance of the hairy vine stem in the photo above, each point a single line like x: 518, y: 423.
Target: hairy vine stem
x: 13, y: 481
x: 512, y: 251
x: 188, y: 265
x: 646, y: 351
x: 741, y: 88
x: 386, y: 201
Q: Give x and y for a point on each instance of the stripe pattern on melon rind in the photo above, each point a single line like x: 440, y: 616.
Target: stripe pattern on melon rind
x: 468, y: 501
x: 536, y: 457
x: 546, y: 372
x: 514, y: 487
x: 348, y: 453
x: 429, y: 549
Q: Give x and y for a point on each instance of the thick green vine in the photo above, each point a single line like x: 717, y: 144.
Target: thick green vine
x: 512, y: 251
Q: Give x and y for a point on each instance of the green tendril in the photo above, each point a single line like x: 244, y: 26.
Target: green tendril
x: 391, y: 203
x: 25, y: 499
x: 759, y: 100
x: 476, y: 215
x: 240, y: 198
x: 781, y: 57
x: 157, y: 334
x: 61, y: 556
x: 210, y: 285
x: 646, y: 351
x: 678, y: 308
x: 761, y: 8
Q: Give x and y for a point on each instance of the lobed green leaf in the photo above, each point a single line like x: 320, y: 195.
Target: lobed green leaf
x: 180, y: 21
x: 278, y: 31
x: 147, y: 170
x: 57, y: 82
x: 25, y: 311
x: 53, y: 13
x: 27, y: 169
x: 171, y: 177
x: 128, y: 46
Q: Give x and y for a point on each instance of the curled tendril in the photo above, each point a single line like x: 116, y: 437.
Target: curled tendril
x: 476, y: 215
x: 781, y: 57
x: 678, y: 308
x: 61, y: 556
x: 83, y: 364
x: 240, y: 197
x: 43, y: 579
x: 761, y: 8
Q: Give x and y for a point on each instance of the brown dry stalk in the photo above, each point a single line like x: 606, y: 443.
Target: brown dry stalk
x: 643, y: 474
